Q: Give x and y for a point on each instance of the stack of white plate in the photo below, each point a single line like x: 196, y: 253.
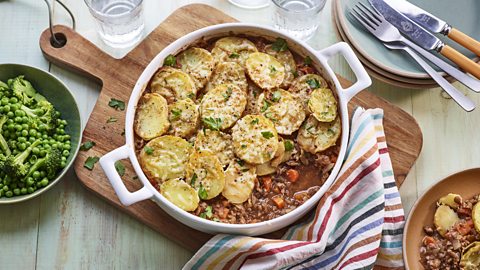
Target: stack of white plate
x: 396, y: 67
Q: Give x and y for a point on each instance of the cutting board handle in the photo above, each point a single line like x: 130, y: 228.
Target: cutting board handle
x: 78, y: 54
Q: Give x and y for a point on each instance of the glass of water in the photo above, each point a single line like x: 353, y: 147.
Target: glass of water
x: 299, y: 18
x: 120, y: 23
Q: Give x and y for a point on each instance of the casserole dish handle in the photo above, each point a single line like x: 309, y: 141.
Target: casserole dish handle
x: 108, y: 164
x: 363, y: 80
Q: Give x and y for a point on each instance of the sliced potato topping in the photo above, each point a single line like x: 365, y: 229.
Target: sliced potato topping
x: 281, y: 155
x: 198, y: 63
x: 323, y: 105
x: 255, y: 139
x: 165, y: 158
x: 304, y: 85
x: 223, y: 104
x: 286, y: 58
x: 239, y: 181
x: 184, y: 118
x: 233, y: 49
x: 283, y: 109
x: 265, y: 70
x: 180, y: 193
x: 315, y: 136
x: 476, y: 216
x: 173, y: 84
x: 218, y: 143
x: 228, y: 73
x: 471, y: 257
x: 204, y: 172
x: 151, y: 119
x: 444, y: 219
x: 451, y: 199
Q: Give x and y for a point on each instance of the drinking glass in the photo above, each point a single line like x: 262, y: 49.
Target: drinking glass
x: 120, y: 23
x: 299, y: 18
x: 250, y: 4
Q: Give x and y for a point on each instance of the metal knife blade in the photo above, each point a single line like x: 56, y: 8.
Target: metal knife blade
x: 409, y: 28
x: 420, y: 16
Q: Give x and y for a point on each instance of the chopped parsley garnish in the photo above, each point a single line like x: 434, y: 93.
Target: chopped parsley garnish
x: 265, y: 106
x: 227, y: 94
x: 276, y: 96
x: 175, y: 114
x: 117, y: 104
x: 254, y: 121
x: 112, y: 120
x: 272, y: 69
x: 269, y: 116
x: 267, y: 134
x: 307, y: 61
x: 202, y: 192
x: 120, y: 167
x: 295, y: 74
x: 240, y: 162
x: 170, y: 60
x: 90, y: 162
x: 280, y: 45
x: 243, y: 146
x: 87, y: 145
x: 313, y: 83
x: 194, y: 178
x: 191, y: 95
x: 288, y: 145
x: 208, y: 212
x: 234, y: 55
x: 245, y: 170
x: 309, y: 130
x: 212, y: 123
x: 148, y: 150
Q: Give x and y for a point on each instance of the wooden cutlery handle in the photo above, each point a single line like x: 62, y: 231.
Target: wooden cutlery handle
x: 461, y: 60
x: 465, y: 40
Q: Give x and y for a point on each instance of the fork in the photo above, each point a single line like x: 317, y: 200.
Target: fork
x: 376, y: 24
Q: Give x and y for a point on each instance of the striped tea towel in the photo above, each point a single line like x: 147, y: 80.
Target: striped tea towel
x: 358, y: 224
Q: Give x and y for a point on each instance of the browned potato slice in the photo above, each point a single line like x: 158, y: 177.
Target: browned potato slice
x: 165, y: 158
x: 239, y: 181
x: 173, y: 84
x: 471, y: 257
x: 151, y: 117
x: 451, y: 200
x: 180, y: 193
x: 323, y: 105
x: 476, y: 216
x: 205, y: 174
x: 218, y: 143
x: 286, y: 58
x: 304, y: 85
x: 228, y: 73
x: 315, y: 136
x: 233, y: 49
x: 198, y: 63
x: 265, y: 70
x: 184, y: 118
x: 444, y: 219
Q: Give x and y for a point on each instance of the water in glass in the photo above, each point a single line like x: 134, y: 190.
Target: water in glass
x: 120, y: 22
x: 298, y: 17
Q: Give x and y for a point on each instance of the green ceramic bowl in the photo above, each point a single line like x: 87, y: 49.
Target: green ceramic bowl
x: 58, y: 94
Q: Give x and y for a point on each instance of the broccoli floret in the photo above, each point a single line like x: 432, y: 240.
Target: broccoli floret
x: 3, y: 86
x: 43, y: 112
x: 3, y: 142
x: 15, y: 165
x: 24, y: 90
x: 51, y: 163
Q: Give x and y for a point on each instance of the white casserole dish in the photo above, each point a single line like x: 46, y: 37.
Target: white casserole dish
x: 320, y: 61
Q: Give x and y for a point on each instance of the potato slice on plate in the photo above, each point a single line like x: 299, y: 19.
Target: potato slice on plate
x: 165, y: 158
x: 323, y: 105
x: 233, y: 49
x: 265, y: 70
x: 286, y: 58
x: 204, y: 172
x: 476, y: 216
x: 283, y: 109
x: 151, y: 119
x: 471, y: 257
x: 444, y: 219
x: 217, y: 142
x: 198, y: 63
x: 228, y: 73
x: 451, y: 199
x: 180, y: 193
x: 255, y: 139
x: 184, y: 118
x: 304, y: 85
x: 239, y: 181
x: 223, y: 106
x: 315, y: 136
x: 173, y: 84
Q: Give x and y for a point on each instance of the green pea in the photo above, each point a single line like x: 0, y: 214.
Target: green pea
x: 42, y: 127
x: 66, y: 137
x: 63, y: 164
x: 6, y: 108
x: 36, y: 175
x: 65, y: 153
x: 23, y: 191
x: 13, y: 100
x: 67, y: 147
x: 52, y: 141
x: 43, y: 153
x: 16, y: 191
x: 5, y: 101
x: 30, y: 181
x: 1, y: 193
x: 61, y: 126
x: 32, y: 139
x: 19, y: 113
x: 22, y: 139
x: 11, y: 127
x: 30, y: 190
x: 64, y: 158
x: 39, y: 184
x: 18, y: 119
x: 25, y: 120
x: 44, y: 182
x: 6, y: 134
x: 1, y: 186
x: 43, y: 174
x: 18, y: 127
x: 15, y: 152
x: 22, y: 146
x: 10, y: 121
x: 25, y: 127
x: 8, y: 194
x: 10, y: 114
x: 35, y: 150
x: 57, y: 114
x: 5, y: 188
x: 44, y: 136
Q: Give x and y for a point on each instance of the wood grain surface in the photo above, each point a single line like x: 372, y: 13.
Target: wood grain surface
x: 118, y: 77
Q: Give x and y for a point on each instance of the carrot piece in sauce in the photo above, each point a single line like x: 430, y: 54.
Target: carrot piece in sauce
x: 279, y: 201
x: 292, y: 175
x: 267, y: 183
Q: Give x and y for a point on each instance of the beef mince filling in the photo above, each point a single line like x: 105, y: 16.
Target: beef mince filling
x: 275, y: 194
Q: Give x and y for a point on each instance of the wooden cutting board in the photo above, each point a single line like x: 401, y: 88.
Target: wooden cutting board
x: 118, y: 76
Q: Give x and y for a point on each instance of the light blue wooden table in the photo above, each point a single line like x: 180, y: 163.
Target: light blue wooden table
x: 70, y: 228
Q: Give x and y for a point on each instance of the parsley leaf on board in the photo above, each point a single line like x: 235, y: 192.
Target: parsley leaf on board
x: 254, y: 121
x: 90, y: 162
x: 87, y: 145
x: 112, y: 120
x: 117, y: 104
x: 120, y: 167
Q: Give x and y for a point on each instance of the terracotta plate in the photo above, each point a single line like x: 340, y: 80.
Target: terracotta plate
x: 465, y: 183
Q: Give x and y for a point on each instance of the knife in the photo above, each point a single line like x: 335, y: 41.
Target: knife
x: 423, y: 38
x: 434, y: 24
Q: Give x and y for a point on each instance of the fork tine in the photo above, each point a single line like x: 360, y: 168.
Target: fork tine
x: 380, y: 16
x: 366, y: 23
x: 371, y: 14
